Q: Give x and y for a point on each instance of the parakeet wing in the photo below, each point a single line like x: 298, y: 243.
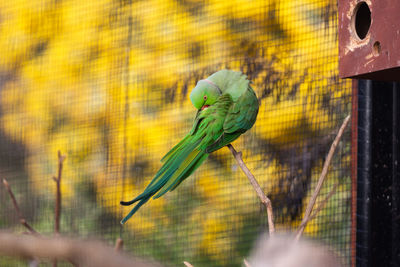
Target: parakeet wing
x: 240, y: 117
x: 208, y: 128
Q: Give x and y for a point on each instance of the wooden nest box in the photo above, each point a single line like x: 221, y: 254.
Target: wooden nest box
x: 369, y: 39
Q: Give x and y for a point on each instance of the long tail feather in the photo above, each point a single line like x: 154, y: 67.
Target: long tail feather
x: 130, y: 214
x: 181, y: 172
x: 192, y: 169
x: 166, y: 170
x: 179, y: 163
x: 175, y: 148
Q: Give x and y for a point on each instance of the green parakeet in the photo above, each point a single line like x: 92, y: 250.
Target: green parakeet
x: 227, y: 107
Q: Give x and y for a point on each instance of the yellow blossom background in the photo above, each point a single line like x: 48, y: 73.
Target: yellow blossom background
x: 107, y: 83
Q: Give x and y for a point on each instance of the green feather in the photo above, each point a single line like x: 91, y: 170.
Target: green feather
x: 183, y: 171
x: 130, y: 214
x: 175, y: 148
x: 166, y: 171
x: 233, y: 83
x: 231, y: 110
x: 225, y: 140
x: 191, y: 170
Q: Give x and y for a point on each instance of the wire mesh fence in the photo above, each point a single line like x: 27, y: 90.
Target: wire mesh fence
x: 107, y: 83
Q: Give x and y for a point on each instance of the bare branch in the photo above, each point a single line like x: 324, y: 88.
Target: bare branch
x: 119, y: 244
x: 322, y: 177
x: 57, y: 211
x: 264, y: 199
x: 61, y: 159
x: 21, y: 217
x: 81, y: 253
x: 187, y: 264
x: 321, y: 206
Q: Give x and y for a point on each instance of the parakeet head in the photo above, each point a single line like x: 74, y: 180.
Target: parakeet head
x: 204, y: 94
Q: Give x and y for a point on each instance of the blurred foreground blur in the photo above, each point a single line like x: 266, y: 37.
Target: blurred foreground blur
x: 282, y: 251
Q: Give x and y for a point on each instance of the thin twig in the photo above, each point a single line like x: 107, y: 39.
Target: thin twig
x: 57, y: 179
x: 57, y: 211
x: 78, y: 252
x: 21, y: 217
x: 322, y: 178
x: 187, y: 264
x: 264, y: 199
x: 322, y: 205
x: 119, y: 244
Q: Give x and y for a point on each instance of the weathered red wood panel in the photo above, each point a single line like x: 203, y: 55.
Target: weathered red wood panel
x: 369, y: 39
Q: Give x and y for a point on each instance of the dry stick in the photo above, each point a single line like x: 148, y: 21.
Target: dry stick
x: 57, y: 211
x: 22, y: 220
x: 187, y: 264
x: 57, y: 179
x: 21, y: 217
x: 322, y: 178
x: 81, y: 253
x: 322, y: 205
x: 264, y: 199
x: 119, y: 244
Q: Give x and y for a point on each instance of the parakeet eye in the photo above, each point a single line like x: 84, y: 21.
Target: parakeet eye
x: 205, y: 97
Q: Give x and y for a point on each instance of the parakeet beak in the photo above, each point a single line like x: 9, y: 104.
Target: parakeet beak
x: 204, y: 107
